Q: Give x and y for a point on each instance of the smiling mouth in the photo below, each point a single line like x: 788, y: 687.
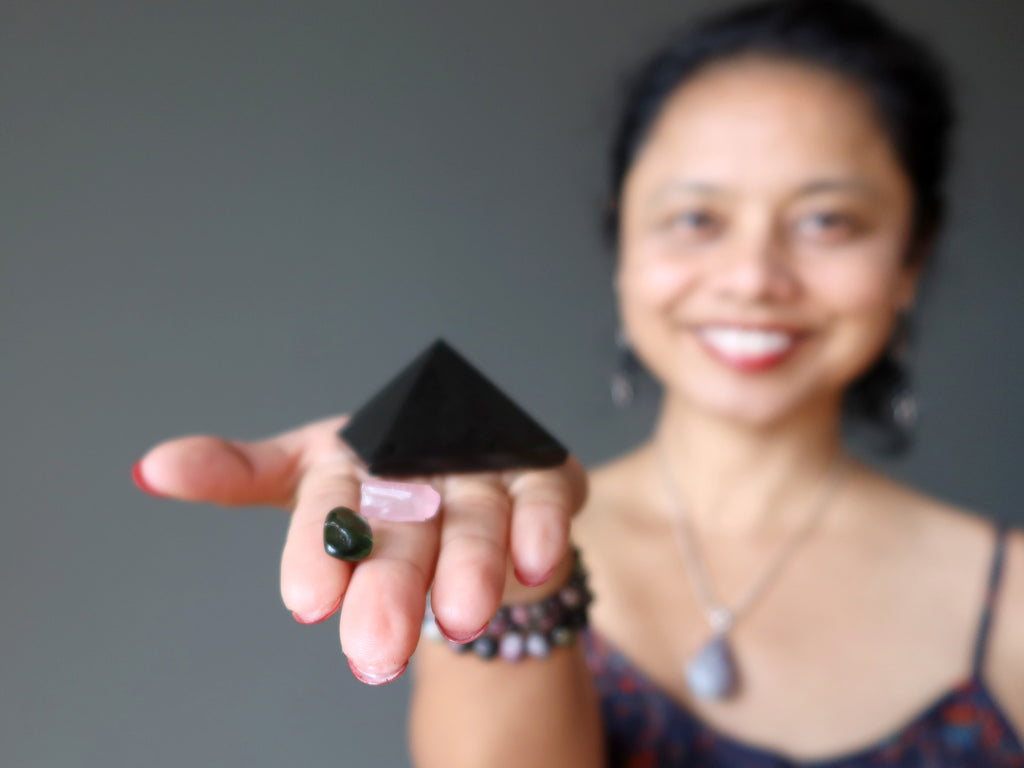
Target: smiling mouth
x: 748, y: 349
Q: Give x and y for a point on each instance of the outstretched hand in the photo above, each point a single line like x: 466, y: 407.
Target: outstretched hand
x: 488, y: 520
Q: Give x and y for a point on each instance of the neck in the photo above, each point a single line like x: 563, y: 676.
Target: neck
x: 737, y: 480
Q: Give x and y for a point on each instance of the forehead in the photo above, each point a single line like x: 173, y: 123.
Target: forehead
x: 762, y: 123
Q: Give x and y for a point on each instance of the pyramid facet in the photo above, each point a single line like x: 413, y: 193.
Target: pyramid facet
x: 440, y: 414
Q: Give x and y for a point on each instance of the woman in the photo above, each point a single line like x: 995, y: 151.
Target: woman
x: 762, y: 598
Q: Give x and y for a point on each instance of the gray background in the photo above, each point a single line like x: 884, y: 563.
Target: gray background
x: 233, y: 217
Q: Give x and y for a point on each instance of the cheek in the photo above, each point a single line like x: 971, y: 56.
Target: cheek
x: 861, y: 297
x: 653, y: 284
x: 863, y: 279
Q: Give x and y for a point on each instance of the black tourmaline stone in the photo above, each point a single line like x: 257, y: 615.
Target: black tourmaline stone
x: 347, y: 535
x: 440, y: 414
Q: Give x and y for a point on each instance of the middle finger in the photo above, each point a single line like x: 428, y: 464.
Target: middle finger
x: 384, y: 604
x: 470, y: 574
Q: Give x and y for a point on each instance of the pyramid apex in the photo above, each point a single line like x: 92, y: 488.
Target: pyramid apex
x: 440, y: 414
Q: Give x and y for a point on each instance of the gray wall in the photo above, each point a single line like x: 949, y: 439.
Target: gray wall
x: 232, y: 216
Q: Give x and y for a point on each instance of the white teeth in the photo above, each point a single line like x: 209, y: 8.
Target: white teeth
x: 746, y: 342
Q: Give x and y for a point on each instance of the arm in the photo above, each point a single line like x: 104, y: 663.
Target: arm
x: 537, y: 712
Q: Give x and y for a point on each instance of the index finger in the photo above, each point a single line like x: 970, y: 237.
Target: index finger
x: 219, y: 470
x: 313, y: 582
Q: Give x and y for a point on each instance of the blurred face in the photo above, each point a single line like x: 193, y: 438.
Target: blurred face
x: 763, y: 229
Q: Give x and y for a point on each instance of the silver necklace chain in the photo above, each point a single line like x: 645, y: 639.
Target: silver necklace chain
x: 719, y: 617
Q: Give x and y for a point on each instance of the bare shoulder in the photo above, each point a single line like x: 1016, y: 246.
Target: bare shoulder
x: 958, y: 543
x: 954, y: 528
x: 960, y: 538
x: 1005, y: 663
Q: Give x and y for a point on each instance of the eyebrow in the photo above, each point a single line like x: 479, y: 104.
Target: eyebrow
x: 838, y: 185
x: 811, y: 188
x: 678, y: 185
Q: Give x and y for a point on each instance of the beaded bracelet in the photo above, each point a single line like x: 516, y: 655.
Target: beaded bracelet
x: 529, y: 629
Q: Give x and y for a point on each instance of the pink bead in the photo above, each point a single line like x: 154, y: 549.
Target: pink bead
x: 398, y: 502
x: 520, y: 615
x: 571, y: 597
x: 497, y: 626
x: 512, y: 647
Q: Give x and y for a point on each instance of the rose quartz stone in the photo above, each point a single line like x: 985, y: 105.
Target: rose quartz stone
x: 398, y: 502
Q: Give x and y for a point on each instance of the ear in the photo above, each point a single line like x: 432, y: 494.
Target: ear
x: 907, y: 284
x: 617, y: 281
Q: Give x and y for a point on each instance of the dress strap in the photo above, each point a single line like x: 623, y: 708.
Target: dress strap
x: 991, y: 593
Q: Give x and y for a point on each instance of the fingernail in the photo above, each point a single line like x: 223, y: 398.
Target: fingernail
x: 372, y: 678
x: 140, y: 480
x: 460, y: 639
x: 315, y: 618
x: 529, y: 580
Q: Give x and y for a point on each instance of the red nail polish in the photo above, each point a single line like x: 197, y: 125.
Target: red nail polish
x: 306, y: 621
x: 140, y: 481
x: 532, y: 581
x: 315, y: 619
x: 460, y: 639
x: 371, y: 679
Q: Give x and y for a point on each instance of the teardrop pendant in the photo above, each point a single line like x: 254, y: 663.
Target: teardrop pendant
x: 711, y: 674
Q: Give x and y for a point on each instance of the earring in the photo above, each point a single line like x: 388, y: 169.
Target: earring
x: 903, y: 406
x: 623, y: 380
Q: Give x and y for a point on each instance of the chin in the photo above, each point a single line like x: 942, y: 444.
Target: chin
x: 746, y: 407
x: 755, y: 417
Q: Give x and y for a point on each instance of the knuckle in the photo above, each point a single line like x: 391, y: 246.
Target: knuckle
x: 328, y: 480
x: 476, y: 502
x: 475, y: 549
x: 407, y: 573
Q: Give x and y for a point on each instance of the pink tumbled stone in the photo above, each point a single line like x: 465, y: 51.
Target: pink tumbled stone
x: 398, y: 502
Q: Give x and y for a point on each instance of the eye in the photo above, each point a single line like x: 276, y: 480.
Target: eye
x: 828, y: 226
x: 697, y: 222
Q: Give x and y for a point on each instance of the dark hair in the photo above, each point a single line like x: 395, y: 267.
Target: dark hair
x: 904, y: 79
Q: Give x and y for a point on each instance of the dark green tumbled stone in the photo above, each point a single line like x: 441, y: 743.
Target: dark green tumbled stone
x: 347, y: 535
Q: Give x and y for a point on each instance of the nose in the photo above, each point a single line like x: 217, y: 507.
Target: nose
x: 756, y: 267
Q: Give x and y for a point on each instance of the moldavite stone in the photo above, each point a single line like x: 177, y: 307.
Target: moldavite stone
x: 347, y: 536
x: 440, y: 414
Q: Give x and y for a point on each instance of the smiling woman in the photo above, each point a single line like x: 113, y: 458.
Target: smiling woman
x: 762, y: 599
x: 765, y: 224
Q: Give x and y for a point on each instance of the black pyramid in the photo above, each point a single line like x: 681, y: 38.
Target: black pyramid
x: 440, y: 414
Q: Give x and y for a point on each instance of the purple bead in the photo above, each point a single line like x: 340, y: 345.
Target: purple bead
x: 538, y: 610
x: 546, y: 622
x: 571, y: 597
x: 497, y: 626
x: 537, y: 645
x: 520, y: 615
x: 512, y: 647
